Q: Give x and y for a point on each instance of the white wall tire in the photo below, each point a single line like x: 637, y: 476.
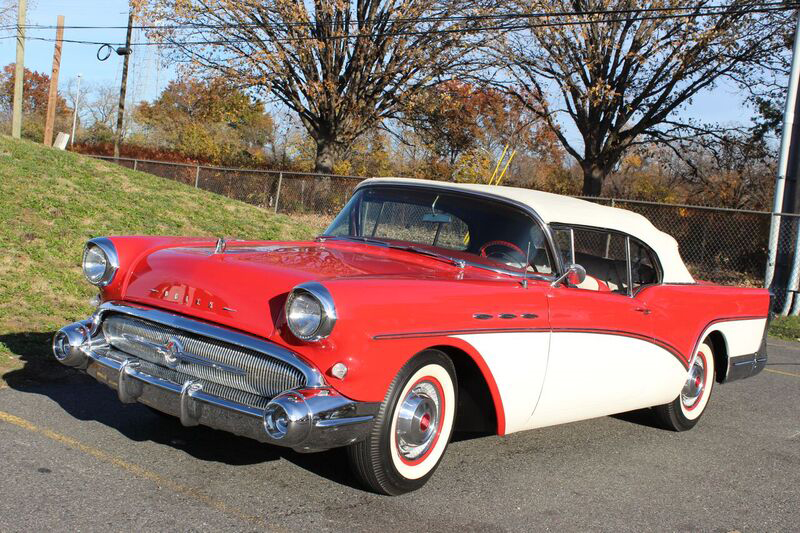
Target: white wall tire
x: 412, y: 429
x: 683, y: 413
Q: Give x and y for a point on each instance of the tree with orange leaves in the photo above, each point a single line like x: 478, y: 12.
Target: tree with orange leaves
x: 457, y: 119
x: 35, y: 88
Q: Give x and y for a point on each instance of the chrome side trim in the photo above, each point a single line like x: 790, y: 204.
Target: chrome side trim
x: 749, y: 365
x: 313, y: 377
x: 746, y: 366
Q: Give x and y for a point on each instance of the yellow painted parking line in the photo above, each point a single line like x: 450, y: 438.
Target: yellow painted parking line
x: 782, y: 373
x: 131, y: 468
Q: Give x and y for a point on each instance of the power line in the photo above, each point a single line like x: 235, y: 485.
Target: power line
x: 743, y: 10
x: 711, y: 10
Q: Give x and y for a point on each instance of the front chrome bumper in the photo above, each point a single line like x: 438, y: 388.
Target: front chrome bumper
x: 305, y: 419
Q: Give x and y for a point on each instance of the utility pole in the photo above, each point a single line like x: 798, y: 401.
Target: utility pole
x: 19, y: 71
x: 52, y: 96
x: 123, y: 86
x: 779, y: 277
x: 75, y: 111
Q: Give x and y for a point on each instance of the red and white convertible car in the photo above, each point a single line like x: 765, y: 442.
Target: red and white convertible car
x: 425, y: 307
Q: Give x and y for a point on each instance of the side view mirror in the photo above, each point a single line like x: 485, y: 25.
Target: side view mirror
x: 574, y: 275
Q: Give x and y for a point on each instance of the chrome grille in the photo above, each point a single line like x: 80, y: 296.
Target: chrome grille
x: 200, y: 357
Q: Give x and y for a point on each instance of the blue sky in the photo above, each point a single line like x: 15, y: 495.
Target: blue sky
x: 148, y: 76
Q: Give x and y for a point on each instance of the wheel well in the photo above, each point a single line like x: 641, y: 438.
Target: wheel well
x: 720, y: 348
x: 475, y: 413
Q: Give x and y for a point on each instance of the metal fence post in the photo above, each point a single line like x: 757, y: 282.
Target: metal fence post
x: 134, y: 163
x: 278, y: 194
x: 197, y: 177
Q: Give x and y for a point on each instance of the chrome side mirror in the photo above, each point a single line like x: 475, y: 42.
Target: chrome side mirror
x: 574, y: 275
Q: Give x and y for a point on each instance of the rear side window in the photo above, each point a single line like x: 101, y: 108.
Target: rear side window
x: 604, y: 255
x: 644, y: 268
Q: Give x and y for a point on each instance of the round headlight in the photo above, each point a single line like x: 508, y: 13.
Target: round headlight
x: 99, y: 261
x: 310, y: 314
x: 305, y: 315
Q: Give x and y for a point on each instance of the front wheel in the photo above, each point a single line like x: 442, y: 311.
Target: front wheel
x: 683, y: 412
x: 412, y: 428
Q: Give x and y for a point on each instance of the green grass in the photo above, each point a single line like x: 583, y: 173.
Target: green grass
x: 785, y: 327
x: 51, y: 202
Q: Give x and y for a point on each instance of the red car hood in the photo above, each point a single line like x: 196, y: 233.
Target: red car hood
x: 246, y: 286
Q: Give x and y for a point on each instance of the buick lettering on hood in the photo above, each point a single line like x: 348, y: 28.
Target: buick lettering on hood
x: 424, y: 308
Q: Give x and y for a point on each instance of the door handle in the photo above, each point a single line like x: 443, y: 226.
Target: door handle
x: 643, y: 310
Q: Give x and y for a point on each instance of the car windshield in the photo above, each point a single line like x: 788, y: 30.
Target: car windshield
x: 481, y: 231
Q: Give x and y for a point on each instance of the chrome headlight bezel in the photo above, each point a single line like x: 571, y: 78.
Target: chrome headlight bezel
x: 328, y: 317
x: 109, y: 252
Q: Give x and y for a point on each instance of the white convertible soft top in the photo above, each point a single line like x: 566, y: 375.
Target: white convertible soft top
x: 555, y: 208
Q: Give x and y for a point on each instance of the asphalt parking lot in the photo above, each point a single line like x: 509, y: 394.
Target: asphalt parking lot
x: 74, y: 458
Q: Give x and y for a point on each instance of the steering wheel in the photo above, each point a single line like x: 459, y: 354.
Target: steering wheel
x: 503, y: 256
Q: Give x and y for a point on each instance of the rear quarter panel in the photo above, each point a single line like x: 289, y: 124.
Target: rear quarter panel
x: 683, y: 315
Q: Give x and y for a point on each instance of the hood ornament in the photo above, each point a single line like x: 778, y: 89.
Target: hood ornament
x: 221, y: 244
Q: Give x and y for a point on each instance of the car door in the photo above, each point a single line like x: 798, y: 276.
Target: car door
x: 602, y: 358
x: 512, y: 335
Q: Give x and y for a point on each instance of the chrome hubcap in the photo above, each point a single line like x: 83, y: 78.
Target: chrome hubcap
x: 695, y: 384
x: 418, y: 420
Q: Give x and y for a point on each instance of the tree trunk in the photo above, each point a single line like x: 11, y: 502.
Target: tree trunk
x: 327, y: 153
x: 593, y: 177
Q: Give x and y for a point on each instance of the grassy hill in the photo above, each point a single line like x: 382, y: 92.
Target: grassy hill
x: 51, y: 202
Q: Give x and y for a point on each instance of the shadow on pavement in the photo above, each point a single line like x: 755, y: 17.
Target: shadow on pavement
x: 641, y: 417
x: 85, y: 399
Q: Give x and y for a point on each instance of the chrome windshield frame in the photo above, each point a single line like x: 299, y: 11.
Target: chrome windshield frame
x: 558, y: 265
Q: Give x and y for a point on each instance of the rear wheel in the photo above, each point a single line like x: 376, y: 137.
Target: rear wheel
x: 684, y: 411
x: 412, y: 429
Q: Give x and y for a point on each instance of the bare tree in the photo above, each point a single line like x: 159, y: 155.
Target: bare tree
x: 620, y: 70
x: 342, y: 66
x: 8, y: 12
x: 76, y: 95
x: 103, y: 104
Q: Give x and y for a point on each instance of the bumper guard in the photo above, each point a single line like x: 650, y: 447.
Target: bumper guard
x: 305, y: 419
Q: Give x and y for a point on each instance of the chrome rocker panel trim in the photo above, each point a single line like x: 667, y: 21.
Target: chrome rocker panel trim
x: 745, y: 366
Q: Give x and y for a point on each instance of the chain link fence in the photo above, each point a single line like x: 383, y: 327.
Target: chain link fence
x: 726, y: 246
x: 279, y: 191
